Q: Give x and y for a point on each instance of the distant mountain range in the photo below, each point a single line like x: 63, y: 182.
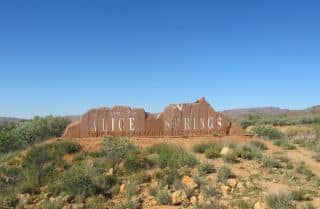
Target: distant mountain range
x: 9, y: 119
x: 232, y: 113
x: 16, y: 120
x: 243, y: 112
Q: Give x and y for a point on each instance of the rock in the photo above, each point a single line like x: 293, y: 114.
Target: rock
x: 178, y: 197
x: 225, y: 151
x: 225, y: 190
x: 23, y: 198
x: 67, y: 199
x: 150, y: 201
x: 189, y: 182
x: 47, y: 195
x: 110, y: 172
x: 201, y: 198
x: 259, y: 205
x: 122, y: 189
x: 232, y: 182
x: 193, y: 200
x: 307, y: 197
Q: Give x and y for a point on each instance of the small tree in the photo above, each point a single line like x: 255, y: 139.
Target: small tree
x: 115, y: 149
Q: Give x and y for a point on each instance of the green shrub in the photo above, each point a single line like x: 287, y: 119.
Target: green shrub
x: 7, y: 157
x: 129, y: 205
x: 135, y: 162
x: 249, y: 152
x: 153, y: 190
x: 223, y: 174
x: 96, y: 154
x: 279, y: 201
x: 163, y: 197
x: 75, y: 182
x: 9, y: 141
x: 79, y: 157
x: 131, y: 189
x: 269, y: 163
x: 201, y: 148
x: 259, y: 145
x: 267, y: 132
x: 66, y: 147
x: 10, y: 177
x: 172, y: 156
x: 285, y: 144
x: 298, y: 195
x: 16, y: 136
x: 205, y: 168
x: 35, y: 162
x: 116, y: 149
x: 104, y: 184
x: 39, y: 129
x: 209, y: 191
x: 242, y: 204
x: 169, y: 176
x: 231, y: 157
x: 213, y: 151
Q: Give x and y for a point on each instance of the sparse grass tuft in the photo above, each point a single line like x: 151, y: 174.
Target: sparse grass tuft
x: 267, y: 132
x: 270, y: 163
x: 153, y: 190
x: 66, y: 147
x: 163, y: 197
x: 172, y: 156
x: 134, y: 162
x: 231, y: 157
x: 250, y: 152
x: 213, y: 151
x: 201, y: 148
x: 308, y: 206
x: 129, y: 205
x: 241, y: 204
x: 279, y: 201
x: 223, y: 174
x: 259, y: 145
x: 131, y: 188
x: 115, y: 149
x: 298, y: 195
x: 205, y: 168
x: 75, y: 182
x: 302, y: 169
x: 285, y: 144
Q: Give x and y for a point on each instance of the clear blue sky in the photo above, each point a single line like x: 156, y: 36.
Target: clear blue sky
x: 64, y: 57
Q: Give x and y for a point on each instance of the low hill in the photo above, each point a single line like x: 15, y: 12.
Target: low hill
x: 242, y: 112
x: 10, y: 120
x: 271, y: 111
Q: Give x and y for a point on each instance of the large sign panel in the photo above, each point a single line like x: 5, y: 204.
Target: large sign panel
x: 192, y: 119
